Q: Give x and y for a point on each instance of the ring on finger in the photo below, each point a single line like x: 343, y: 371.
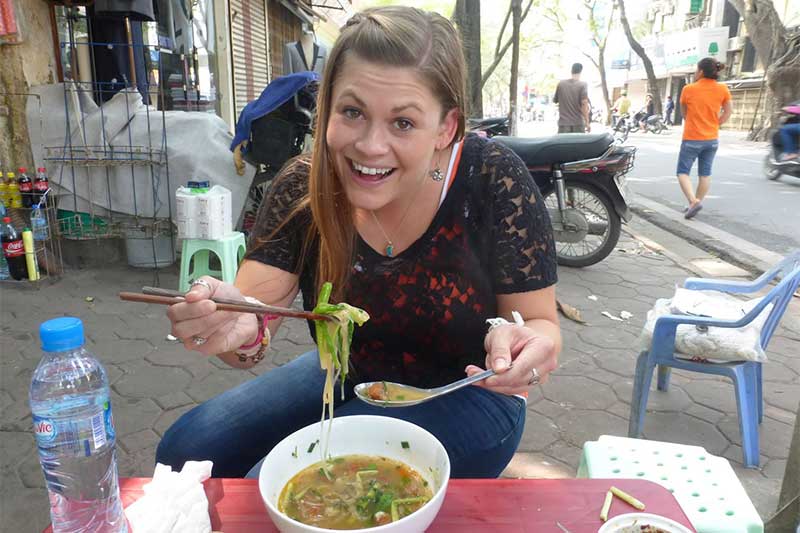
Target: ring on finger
x: 204, y: 283
x: 198, y: 340
x: 535, y: 377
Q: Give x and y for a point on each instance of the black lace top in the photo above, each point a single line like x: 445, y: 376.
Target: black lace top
x: 429, y: 304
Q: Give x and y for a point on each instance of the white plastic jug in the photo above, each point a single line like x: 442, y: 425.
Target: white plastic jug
x: 204, y: 215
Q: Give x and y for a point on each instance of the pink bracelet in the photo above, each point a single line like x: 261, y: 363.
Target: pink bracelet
x: 264, y: 323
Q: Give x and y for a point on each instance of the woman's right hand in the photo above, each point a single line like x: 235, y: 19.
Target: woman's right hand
x: 198, y: 318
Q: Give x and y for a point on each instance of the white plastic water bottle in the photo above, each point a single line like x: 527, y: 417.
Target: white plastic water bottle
x: 74, y: 430
x: 38, y: 224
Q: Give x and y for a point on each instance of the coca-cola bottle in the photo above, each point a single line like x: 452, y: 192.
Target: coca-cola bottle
x: 25, y: 187
x: 40, y: 185
x: 14, y: 250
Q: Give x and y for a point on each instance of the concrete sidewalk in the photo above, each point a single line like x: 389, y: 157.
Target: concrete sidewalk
x: 154, y: 381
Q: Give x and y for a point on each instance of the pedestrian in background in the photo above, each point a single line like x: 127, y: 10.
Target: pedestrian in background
x: 669, y: 107
x: 705, y: 105
x: 572, y: 97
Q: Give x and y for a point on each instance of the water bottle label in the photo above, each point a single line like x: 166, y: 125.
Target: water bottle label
x: 79, y: 437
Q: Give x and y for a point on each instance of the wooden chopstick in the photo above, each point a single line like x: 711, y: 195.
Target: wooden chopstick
x: 155, y: 295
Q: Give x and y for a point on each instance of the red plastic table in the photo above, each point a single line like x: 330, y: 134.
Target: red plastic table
x: 471, y: 505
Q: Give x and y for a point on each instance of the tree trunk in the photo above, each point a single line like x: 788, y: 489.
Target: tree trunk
x: 764, y: 27
x: 601, y: 56
x: 15, y: 150
x: 788, y: 512
x: 516, y: 15
x: 467, y: 16
x: 652, y: 82
x: 779, y: 52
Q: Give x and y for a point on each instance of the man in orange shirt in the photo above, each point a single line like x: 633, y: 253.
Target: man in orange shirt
x: 701, y: 103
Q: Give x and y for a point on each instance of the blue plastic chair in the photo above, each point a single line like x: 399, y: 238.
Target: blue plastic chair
x: 746, y: 375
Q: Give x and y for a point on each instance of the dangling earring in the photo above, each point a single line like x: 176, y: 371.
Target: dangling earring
x: 436, y: 173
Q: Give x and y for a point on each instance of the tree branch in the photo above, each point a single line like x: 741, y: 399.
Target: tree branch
x: 497, y: 58
x: 592, y: 59
x: 502, y: 31
x: 552, y: 15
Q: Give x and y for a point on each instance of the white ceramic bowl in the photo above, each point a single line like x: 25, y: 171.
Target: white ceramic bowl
x: 625, y: 520
x: 360, y: 435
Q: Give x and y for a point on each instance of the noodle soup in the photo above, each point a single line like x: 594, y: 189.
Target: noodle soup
x: 354, y: 492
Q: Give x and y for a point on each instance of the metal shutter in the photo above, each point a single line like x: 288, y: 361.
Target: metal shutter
x: 249, y: 50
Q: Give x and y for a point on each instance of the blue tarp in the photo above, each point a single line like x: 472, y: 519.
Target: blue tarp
x: 272, y: 97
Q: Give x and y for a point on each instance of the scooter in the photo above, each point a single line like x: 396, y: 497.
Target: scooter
x: 274, y: 138
x: 582, y: 179
x: 774, y: 168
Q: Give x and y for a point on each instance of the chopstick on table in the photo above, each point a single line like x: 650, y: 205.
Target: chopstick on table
x: 156, y: 295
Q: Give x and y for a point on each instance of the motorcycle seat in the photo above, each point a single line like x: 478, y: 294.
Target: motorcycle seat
x: 563, y: 148
x: 475, y: 122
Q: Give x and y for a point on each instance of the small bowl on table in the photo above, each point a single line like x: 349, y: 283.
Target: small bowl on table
x: 358, y: 435
x: 621, y: 523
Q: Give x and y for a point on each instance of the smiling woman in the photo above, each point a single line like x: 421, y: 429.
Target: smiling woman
x: 429, y: 230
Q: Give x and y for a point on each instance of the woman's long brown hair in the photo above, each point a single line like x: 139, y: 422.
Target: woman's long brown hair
x: 397, y: 36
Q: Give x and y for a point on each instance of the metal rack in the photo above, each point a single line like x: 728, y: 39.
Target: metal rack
x: 48, y: 250
x: 99, y: 172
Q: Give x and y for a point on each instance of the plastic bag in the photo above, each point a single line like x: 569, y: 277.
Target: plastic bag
x: 712, y: 344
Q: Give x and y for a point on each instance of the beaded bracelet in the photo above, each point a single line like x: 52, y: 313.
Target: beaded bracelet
x: 262, y: 339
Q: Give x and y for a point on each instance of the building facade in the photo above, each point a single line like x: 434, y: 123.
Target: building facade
x: 681, y: 32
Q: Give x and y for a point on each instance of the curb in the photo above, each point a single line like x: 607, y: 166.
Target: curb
x: 708, y: 245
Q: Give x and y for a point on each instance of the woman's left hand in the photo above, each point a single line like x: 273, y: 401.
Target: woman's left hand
x: 514, y: 351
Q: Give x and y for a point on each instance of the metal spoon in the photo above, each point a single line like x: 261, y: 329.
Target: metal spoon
x: 415, y: 394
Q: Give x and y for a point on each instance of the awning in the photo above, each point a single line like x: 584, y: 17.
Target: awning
x: 302, y: 11
x: 744, y: 83
x: 329, y: 4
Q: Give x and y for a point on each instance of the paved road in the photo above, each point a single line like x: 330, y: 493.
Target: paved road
x: 741, y: 201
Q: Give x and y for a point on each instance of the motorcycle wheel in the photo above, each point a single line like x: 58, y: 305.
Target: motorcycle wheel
x: 658, y: 128
x: 595, y: 207
x: 771, y: 171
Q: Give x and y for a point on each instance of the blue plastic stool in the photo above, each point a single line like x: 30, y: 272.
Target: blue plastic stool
x: 229, y: 249
x: 746, y: 376
x: 705, y: 485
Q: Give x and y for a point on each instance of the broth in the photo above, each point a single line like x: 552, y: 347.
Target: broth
x: 353, y: 492
x: 389, y: 392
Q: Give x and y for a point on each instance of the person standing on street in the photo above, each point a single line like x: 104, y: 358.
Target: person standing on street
x: 573, y: 103
x: 701, y: 103
x: 669, y: 107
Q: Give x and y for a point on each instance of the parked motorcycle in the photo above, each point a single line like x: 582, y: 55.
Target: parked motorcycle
x: 774, y: 168
x: 274, y: 138
x: 490, y: 126
x: 582, y: 179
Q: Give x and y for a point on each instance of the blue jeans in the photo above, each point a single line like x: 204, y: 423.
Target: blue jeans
x: 789, y: 135
x: 703, y: 151
x: 479, y: 429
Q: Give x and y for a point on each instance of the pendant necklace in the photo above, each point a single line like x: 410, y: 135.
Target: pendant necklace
x: 389, y: 244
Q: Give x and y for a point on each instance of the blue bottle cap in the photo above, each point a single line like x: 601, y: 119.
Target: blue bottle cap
x: 61, y: 334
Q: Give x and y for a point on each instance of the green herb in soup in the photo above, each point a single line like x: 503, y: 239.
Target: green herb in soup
x: 353, y: 492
